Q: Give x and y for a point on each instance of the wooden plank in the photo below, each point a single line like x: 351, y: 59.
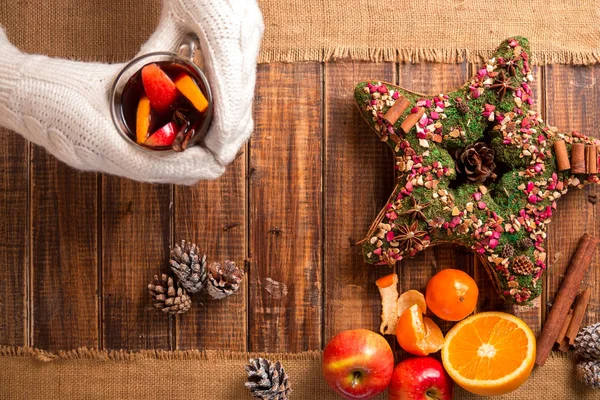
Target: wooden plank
x: 285, y: 209
x: 416, y: 272
x: 213, y: 215
x: 359, y: 178
x: 136, y: 225
x: 572, y: 103
x: 14, y: 238
x: 64, y: 257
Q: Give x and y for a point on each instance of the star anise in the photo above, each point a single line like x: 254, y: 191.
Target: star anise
x: 416, y: 211
x: 502, y: 85
x: 510, y: 65
x: 410, y: 236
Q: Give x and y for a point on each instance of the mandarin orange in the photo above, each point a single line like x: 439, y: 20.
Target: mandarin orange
x: 451, y: 294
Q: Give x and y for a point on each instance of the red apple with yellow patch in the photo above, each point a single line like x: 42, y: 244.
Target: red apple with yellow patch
x: 358, y: 364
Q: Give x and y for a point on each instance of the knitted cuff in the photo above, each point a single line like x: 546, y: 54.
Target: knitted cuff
x: 10, y: 73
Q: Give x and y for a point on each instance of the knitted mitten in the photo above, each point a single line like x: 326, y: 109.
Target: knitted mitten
x: 63, y: 105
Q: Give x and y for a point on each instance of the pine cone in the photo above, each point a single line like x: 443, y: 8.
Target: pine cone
x: 587, y: 342
x: 588, y: 372
x: 223, y: 281
x: 476, y: 162
x: 461, y: 106
x: 168, y: 296
x: 508, y: 251
x: 525, y: 244
x: 267, y: 381
x: 189, y: 267
x: 522, y: 265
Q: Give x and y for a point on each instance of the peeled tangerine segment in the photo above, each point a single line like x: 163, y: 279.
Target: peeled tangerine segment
x: 418, y: 335
x: 191, y: 91
x: 142, y: 126
x: 410, y: 298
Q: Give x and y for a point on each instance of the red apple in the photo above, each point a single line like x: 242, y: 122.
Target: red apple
x: 164, y: 137
x: 160, y: 89
x: 420, y: 378
x: 358, y: 364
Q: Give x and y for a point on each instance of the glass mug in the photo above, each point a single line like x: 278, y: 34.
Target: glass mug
x: 124, y: 95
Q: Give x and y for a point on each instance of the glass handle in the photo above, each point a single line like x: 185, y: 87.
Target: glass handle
x: 190, y: 50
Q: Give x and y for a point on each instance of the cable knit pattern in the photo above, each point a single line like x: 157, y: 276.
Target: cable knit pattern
x: 63, y: 105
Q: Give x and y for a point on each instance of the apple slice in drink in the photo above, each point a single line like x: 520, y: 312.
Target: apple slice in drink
x: 160, y: 89
x: 163, y: 137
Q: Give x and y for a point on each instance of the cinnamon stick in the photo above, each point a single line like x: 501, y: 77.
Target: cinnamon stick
x: 578, y: 158
x: 564, y: 346
x: 591, y: 159
x: 569, y: 287
x: 565, y: 327
x: 412, y: 119
x: 562, y: 155
x: 396, y: 111
x: 578, y: 313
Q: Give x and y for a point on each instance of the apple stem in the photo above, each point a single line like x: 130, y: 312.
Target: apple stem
x: 356, y: 378
x: 432, y: 396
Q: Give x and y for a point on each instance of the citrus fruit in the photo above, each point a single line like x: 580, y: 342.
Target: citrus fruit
x: 451, y: 294
x: 418, y: 335
x: 490, y: 353
x: 410, y: 298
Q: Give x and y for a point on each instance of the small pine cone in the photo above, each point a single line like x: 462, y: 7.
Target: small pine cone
x: 476, y: 162
x: 267, y: 380
x: 223, y: 281
x: 587, y: 342
x: 189, y: 267
x: 588, y: 372
x: 525, y: 244
x: 508, y: 251
x: 462, y: 106
x: 522, y: 265
x: 168, y: 296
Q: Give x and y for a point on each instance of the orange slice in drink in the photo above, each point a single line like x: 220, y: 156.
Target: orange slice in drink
x: 418, y: 335
x: 490, y: 353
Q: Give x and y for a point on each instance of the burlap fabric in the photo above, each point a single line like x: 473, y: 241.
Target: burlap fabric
x: 86, y: 374
x: 445, y: 31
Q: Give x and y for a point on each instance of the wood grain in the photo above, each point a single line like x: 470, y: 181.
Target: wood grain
x: 286, y: 209
x: 14, y: 238
x: 136, y: 235
x: 572, y: 103
x: 213, y: 215
x: 416, y: 272
x: 359, y: 178
x: 64, y: 263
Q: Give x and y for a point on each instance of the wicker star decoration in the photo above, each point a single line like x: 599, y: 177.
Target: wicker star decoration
x: 476, y: 167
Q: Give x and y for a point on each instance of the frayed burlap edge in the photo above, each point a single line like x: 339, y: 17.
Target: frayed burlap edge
x: 121, y: 355
x: 447, y: 56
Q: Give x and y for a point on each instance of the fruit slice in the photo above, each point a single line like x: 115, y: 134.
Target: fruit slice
x: 142, y: 125
x: 191, y: 91
x: 388, y: 289
x: 490, y: 353
x: 160, y: 89
x: 163, y: 137
x: 418, y: 335
x: 410, y: 298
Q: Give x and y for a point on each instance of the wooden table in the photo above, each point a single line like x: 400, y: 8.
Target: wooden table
x: 78, y: 249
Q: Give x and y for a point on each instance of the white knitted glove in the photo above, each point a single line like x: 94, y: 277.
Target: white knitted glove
x: 63, y: 105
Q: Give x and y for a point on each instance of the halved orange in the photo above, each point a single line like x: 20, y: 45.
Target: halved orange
x: 490, y: 353
x: 418, y: 335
